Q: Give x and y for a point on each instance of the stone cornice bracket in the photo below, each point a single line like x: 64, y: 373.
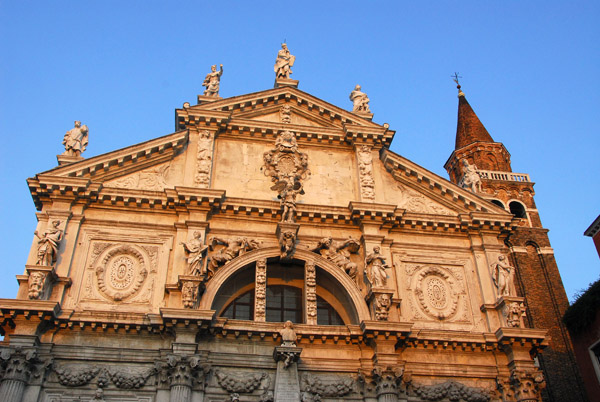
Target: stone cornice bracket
x: 528, y: 338
x: 376, y: 136
x: 201, y: 118
x: 45, y: 187
x: 371, y: 213
x: 287, y: 354
x: 385, y: 330
x: 27, y: 316
x: 187, y: 317
x: 195, y: 198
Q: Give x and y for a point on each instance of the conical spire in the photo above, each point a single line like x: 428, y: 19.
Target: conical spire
x: 469, y: 128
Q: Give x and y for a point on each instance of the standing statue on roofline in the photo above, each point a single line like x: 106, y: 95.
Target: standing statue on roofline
x: 360, y: 100
x: 284, y: 62
x: 76, y: 140
x: 212, y: 81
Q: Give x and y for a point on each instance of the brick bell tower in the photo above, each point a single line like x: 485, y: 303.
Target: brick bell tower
x: 537, y: 276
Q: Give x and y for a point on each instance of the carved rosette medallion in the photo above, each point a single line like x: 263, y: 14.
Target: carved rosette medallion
x: 310, y: 290
x: 365, y: 170
x: 204, y: 159
x: 121, y: 272
x: 437, y: 292
x: 260, y: 295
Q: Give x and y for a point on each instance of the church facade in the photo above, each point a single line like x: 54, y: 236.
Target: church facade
x: 273, y: 248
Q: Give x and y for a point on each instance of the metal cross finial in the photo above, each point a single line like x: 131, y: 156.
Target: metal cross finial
x: 455, y: 77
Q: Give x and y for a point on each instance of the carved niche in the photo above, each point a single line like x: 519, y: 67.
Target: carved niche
x: 119, y: 272
x: 439, y: 292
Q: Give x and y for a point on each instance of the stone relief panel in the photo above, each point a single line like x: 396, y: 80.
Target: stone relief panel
x: 204, y: 158
x: 435, y: 292
x: 413, y: 201
x: 365, y: 173
x: 152, y: 179
x: 326, y: 386
x: 119, y: 272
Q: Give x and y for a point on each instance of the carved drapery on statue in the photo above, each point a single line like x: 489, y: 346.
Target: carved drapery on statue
x: 503, y: 275
x: 225, y: 250
x: 48, y: 244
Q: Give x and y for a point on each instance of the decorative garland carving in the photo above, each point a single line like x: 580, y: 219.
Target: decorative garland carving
x: 130, y: 380
x: 122, y: 272
x: 240, y: 383
x: 260, y: 292
x: 330, y: 387
x: 204, y: 159
x: 76, y: 376
x: 365, y: 171
x: 310, y: 280
x: 451, y: 390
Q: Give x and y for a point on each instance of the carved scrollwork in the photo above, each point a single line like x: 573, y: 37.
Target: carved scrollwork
x: 121, y: 272
x: 310, y: 275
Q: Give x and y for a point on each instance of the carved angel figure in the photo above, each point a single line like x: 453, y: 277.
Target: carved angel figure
x: 471, y: 178
x: 195, y: 252
x: 287, y: 241
x: 232, y: 249
x: 48, y: 244
x: 288, y: 189
x: 376, y: 266
x: 503, y: 276
x: 339, y: 253
x: 213, y: 81
x: 360, y: 100
x: 284, y: 62
x: 76, y: 140
x: 286, y: 142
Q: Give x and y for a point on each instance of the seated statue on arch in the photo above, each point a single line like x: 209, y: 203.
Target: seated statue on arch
x: 339, y: 253
x: 233, y: 248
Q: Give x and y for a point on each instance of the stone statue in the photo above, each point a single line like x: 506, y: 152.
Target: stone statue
x: 339, y: 253
x: 286, y: 142
x: 376, y: 266
x: 471, y: 178
x: 48, y: 244
x: 287, y: 243
x: 503, y: 275
x: 360, y: 100
x: 213, y: 81
x: 287, y: 196
x: 288, y: 335
x: 195, y: 252
x: 76, y: 140
x: 232, y: 249
x: 284, y: 62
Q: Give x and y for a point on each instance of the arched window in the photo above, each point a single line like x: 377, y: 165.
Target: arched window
x: 517, y: 209
x: 499, y: 203
x: 283, y: 303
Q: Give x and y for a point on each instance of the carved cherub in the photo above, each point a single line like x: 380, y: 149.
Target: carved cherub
x: 376, y: 266
x: 339, y: 253
x: 287, y: 241
x: 232, y: 249
x: 48, y: 244
x: 286, y: 142
x: 288, y: 189
x: 195, y: 251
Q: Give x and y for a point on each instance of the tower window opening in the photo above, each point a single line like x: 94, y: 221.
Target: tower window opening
x: 517, y: 209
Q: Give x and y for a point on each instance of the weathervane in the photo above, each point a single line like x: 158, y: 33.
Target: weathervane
x: 455, y: 77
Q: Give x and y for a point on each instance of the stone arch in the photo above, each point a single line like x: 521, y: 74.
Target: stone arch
x: 353, y: 292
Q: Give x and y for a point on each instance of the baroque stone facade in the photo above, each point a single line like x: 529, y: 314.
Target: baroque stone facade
x: 273, y: 248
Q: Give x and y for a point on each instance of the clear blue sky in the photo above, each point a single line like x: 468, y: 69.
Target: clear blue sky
x: 530, y: 70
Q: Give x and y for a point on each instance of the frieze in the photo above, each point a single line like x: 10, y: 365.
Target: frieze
x: 415, y: 202
x: 240, y: 383
x: 151, y: 179
x: 75, y: 375
x: 130, y: 379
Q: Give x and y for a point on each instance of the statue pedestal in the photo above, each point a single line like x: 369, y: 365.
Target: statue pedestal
x: 287, y: 383
x: 206, y: 99
x: 365, y: 115
x: 285, y: 82
x: 67, y: 159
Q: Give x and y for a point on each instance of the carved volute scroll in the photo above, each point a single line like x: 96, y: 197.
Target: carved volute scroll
x: 204, y: 157
x: 365, y: 173
x: 260, y: 290
x: 310, y: 292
